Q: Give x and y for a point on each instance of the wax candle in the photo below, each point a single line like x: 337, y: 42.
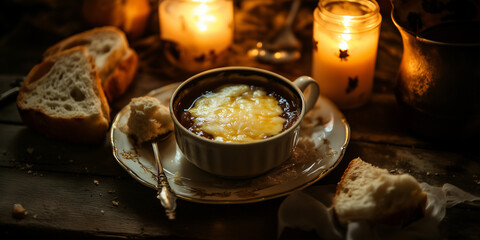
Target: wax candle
x: 345, y: 40
x: 197, y: 33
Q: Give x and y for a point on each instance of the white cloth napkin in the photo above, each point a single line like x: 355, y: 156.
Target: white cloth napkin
x: 310, y: 209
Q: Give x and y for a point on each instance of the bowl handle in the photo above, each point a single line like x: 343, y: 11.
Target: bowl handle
x: 313, y: 92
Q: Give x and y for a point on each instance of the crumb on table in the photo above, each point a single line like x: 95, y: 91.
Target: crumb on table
x: 19, y: 212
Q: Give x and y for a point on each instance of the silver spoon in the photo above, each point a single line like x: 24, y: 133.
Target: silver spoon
x: 164, y: 191
x: 283, y: 46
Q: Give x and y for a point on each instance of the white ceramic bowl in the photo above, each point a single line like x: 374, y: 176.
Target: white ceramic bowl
x: 240, y: 160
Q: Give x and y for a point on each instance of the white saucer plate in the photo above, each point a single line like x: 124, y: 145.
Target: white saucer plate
x: 323, y: 139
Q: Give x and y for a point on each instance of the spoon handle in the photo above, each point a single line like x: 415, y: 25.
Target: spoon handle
x: 8, y: 93
x: 165, y: 193
x: 293, y: 13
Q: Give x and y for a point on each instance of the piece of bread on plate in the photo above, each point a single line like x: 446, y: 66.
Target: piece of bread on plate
x: 115, y: 61
x: 147, y: 119
x: 62, y: 97
x: 366, y: 192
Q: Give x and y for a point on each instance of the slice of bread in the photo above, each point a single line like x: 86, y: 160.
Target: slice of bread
x: 115, y: 61
x: 62, y: 97
x: 366, y: 192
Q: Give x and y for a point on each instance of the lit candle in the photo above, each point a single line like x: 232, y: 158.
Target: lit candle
x: 345, y: 39
x: 197, y: 33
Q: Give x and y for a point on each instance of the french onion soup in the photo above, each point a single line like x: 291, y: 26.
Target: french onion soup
x: 239, y: 111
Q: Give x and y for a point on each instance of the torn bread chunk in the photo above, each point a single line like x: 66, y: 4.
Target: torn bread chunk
x: 148, y: 119
x: 366, y: 192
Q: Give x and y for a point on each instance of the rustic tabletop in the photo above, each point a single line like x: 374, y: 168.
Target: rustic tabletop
x: 77, y: 191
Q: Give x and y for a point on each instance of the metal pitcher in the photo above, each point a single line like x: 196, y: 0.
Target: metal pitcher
x: 438, y: 83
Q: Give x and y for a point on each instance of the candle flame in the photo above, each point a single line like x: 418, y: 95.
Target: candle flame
x: 343, y: 45
x: 345, y: 37
x: 202, y: 17
x: 346, y: 22
x: 201, y: 9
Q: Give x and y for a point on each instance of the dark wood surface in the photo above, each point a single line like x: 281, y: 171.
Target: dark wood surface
x: 54, y: 180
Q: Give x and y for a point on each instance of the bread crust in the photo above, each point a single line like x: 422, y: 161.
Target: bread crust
x: 121, y: 78
x: 341, y: 183
x: 91, y: 129
x: 80, y: 130
x: 401, y: 217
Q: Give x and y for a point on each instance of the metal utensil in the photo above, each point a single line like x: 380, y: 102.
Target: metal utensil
x: 164, y: 191
x: 283, y: 46
x: 9, y: 93
x: 15, y: 87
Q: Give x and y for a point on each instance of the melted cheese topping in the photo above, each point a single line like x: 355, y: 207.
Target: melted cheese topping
x: 237, y: 113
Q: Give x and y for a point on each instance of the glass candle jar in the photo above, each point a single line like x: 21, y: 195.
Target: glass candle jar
x: 197, y: 34
x: 345, y: 40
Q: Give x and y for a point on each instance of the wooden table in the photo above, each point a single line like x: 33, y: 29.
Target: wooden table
x: 71, y: 191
